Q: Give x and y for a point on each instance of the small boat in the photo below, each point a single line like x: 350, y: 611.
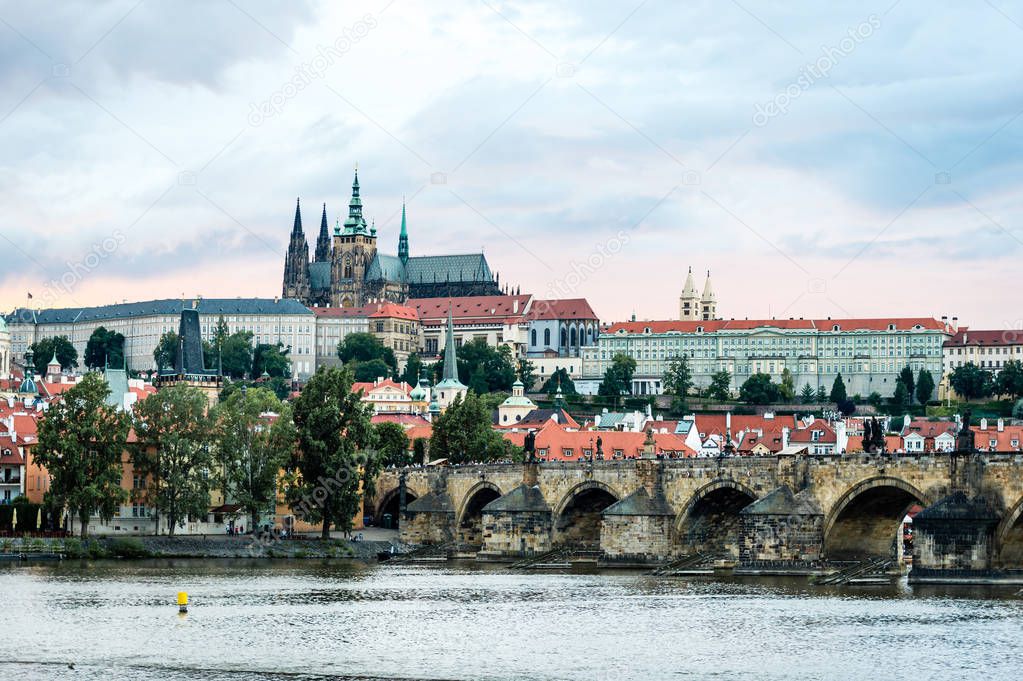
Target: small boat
x: 383, y: 556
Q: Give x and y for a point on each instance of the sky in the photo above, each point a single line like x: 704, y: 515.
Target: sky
x: 856, y: 159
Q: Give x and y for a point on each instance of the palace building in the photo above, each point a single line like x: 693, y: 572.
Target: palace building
x: 347, y: 269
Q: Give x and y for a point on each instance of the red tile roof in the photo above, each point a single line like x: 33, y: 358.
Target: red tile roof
x: 570, y: 308
x: 393, y: 310
x: 668, y: 326
x: 562, y: 444
x: 386, y: 383
x: 1003, y: 440
x: 966, y: 337
x: 929, y: 429
x: 435, y: 310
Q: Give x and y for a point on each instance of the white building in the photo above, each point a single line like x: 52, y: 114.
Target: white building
x: 143, y: 323
x: 869, y: 353
x: 989, y: 350
x: 5, y: 350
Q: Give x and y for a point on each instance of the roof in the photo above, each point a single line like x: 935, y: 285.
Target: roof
x: 965, y: 337
x: 387, y: 309
x: 522, y: 498
x: 783, y: 502
x: 570, y: 308
x: 435, y: 310
x: 395, y: 310
x: 426, y: 269
x: 319, y: 275
x: 371, y: 386
x: 711, y: 326
x: 386, y: 267
x: 929, y: 428
x: 805, y: 435
x: 641, y: 503
x: 170, y: 306
x: 564, y: 444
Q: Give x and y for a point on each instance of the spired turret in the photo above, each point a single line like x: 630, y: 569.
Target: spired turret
x: 689, y: 301
x: 708, y: 302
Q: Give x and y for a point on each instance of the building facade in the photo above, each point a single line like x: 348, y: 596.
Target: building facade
x: 697, y: 307
x: 396, y: 326
x: 987, y: 349
x: 869, y: 353
x: 5, y: 351
x: 143, y: 323
x: 347, y: 269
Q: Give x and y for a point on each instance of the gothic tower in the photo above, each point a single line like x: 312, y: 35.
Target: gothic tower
x: 689, y: 301
x: 296, y: 263
x: 354, y: 248
x: 403, y: 238
x: 323, y: 241
x: 708, y: 302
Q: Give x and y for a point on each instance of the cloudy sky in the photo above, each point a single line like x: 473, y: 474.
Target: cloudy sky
x: 861, y: 160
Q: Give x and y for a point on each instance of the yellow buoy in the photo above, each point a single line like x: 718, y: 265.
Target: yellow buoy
x: 182, y: 601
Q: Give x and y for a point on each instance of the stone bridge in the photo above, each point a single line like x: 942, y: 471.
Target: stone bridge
x: 779, y: 510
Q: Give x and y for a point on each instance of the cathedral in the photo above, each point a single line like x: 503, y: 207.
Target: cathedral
x: 347, y: 270
x: 694, y: 307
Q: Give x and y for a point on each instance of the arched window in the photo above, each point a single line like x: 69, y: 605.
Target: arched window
x: 547, y: 337
x: 564, y: 338
x: 532, y: 340
x: 573, y: 337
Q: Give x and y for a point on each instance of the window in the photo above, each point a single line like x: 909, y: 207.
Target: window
x: 547, y: 337
x: 532, y: 337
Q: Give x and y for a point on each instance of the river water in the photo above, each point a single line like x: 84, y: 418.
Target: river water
x: 313, y: 620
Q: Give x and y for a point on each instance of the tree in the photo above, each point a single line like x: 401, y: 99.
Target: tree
x: 252, y: 448
x: 166, y: 352
x: 81, y: 444
x: 924, y: 386
x: 104, y: 348
x: 367, y: 372
x: 822, y: 395
x: 495, y: 365
x: 272, y: 359
x: 235, y: 353
x: 788, y: 385
x: 331, y: 461
x: 1009, y: 381
x: 901, y: 396
x: 971, y: 382
x: 413, y: 368
x: 527, y: 374
x: 391, y: 444
x: 807, y: 395
x: 176, y: 437
x: 874, y: 399
x: 1017, y: 410
x: 838, y: 390
x: 906, y: 376
x: 678, y: 377
x: 478, y: 381
x: 847, y: 407
x: 720, y: 385
x: 44, y: 350
x: 618, y: 377
x: 464, y: 433
x: 364, y: 347
x: 759, y: 389
x: 559, y: 377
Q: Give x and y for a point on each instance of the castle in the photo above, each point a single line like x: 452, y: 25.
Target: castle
x: 348, y: 270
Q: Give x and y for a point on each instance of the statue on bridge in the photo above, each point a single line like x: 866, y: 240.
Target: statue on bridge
x: 530, y: 447
x: 966, y: 438
x: 873, y: 436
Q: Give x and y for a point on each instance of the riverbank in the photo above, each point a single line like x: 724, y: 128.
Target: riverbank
x: 195, y: 546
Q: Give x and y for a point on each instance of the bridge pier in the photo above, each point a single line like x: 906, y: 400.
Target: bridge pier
x: 954, y: 539
x: 519, y: 523
x: 782, y: 528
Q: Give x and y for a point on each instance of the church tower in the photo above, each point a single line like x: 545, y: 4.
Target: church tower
x: 403, y: 237
x: 323, y: 240
x: 708, y: 302
x: 296, y: 263
x: 689, y: 301
x: 354, y: 248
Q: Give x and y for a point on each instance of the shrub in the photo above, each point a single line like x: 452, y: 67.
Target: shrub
x: 128, y: 547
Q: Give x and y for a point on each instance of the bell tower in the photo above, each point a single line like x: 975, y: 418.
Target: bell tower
x: 354, y: 248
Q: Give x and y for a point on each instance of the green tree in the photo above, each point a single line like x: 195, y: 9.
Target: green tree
x: 924, y: 386
x: 332, y: 460
x: 759, y: 389
x: 788, y: 385
x: 235, y: 353
x: 104, y: 348
x: 220, y: 332
x: 807, y: 395
x: 678, y: 377
x: 559, y: 377
x: 874, y: 399
x: 497, y: 365
x: 971, y: 382
x: 822, y: 395
x: 391, y: 444
x: 44, y: 349
x: 413, y: 368
x: 906, y: 376
x: 618, y: 377
x: 1009, y: 381
x: 364, y: 347
x: 464, y: 433
x: 273, y: 359
x: 81, y: 444
x: 478, y: 381
x: 176, y: 449
x: 253, y: 448
x: 367, y: 372
x: 720, y: 385
x: 901, y: 396
x: 166, y: 352
x: 1017, y: 410
x: 527, y: 374
x: 838, y: 393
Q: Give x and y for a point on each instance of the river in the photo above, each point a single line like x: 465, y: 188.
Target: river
x: 314, y: 620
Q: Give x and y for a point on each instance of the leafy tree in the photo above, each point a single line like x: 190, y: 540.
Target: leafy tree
x: 838, y: 390
x: 807, y: 395
x: 44, y: 349
x: 221, y: 332
x: 81, y: 444
x: 332, y: 460
x: 235, y: 353
x: 166, y: 352
x: 906, y: 376
x: 464, y: 433
x: 364, y: 347
x: 874, y: 399
x: 618, y: 377
x: 971, y: 382
x: 901, y: 396
x: 478, y: 381
x: 104, y: 348
x: 822, y: 395
x: 493, y: 400
x: 788, y: 385
x: 527, y: 374
x: 720, y: 385
x: 391, y: 444
x: 367, y: 372
x: 678, y: 377
x: 924, y: 386
x: 176, y: 437
x: 419, y: 448
x: 496, y: 365
x: 273, y: 359
x: 413, y: 368
x: 559, y: 377
x: 253, y: 448
x: 1017, y: 410
x: 1009, y: 381
x: 847, y: 407
x: 759, y: 389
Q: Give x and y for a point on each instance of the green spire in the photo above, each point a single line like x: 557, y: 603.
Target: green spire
x: 403, y: 238
x: 355, y: 224
x: 450, y: 360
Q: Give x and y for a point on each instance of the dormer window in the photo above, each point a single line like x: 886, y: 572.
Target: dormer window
x: 836, y: 327
x: 891, y: 327
x: 699, y: 329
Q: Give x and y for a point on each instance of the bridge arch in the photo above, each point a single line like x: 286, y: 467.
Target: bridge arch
x: 390, y: 502
x: 1009, y: 537
x: 577, y: 517
x: 710, y: 521
x: 469, y: 517
x: 865, y: 521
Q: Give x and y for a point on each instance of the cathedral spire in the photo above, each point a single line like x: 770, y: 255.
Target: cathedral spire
x: 297, y: 229
x: 355, y: 224
x: 323, y: 241
x: 403, y: 237
x: 450, y: 360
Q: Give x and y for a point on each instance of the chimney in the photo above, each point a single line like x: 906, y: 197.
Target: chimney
x: 784, y: 437
x: 955, y: 324
x: 944, y: 322
x: 515, y: 306
x: 1001, y: 425
x: 983, y: 424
